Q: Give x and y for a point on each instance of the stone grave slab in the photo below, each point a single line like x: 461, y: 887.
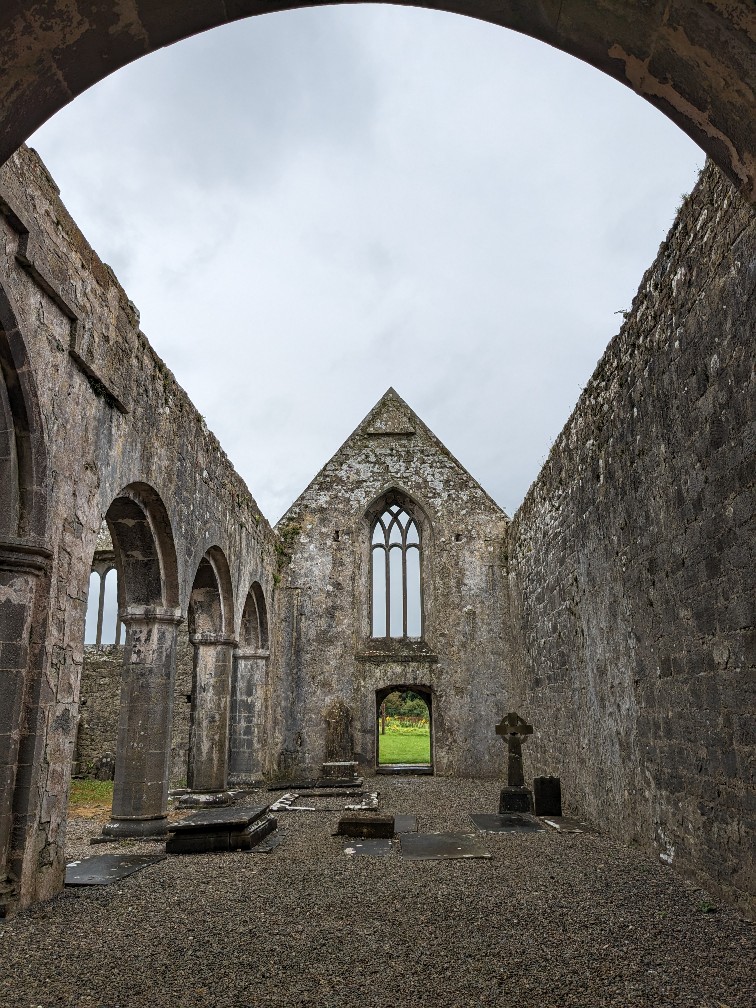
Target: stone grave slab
x: 365, y: 826
x: 271, y: 841
x: 506, y: 822
x: 309, y: 783
x: 230, y: 829
x: 370, y: 848
x: 343, y: 783
x: 369, y: 803
x: 102, y: 869
x: 563, y: 824
x: 441, y: 846
x: 405, y: 824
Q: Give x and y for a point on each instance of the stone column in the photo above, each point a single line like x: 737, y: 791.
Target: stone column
x: 248, y: 696
x: 140, y: 791
x: 208, y: 739
x: 22, y: 566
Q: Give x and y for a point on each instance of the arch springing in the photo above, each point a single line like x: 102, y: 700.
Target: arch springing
x: 396, y: 589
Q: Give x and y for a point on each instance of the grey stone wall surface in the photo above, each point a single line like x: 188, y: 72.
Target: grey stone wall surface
x: 113, y: 416
x: 631, y: 564
x: 99, y: 703
x: 326, y: 649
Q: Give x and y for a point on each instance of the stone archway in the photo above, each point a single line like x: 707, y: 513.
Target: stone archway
x: 211, y: 632
x: 145, y: 559
x: 249, y: 691
x: 692, y: 61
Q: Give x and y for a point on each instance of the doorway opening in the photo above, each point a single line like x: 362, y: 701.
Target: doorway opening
x: 404, y: 730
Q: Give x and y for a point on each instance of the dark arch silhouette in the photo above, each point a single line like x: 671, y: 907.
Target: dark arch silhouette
x: 23, y: 455
x: 211, y: 600
x: 144, y: 549
x: 254, y: 624
x: 693, y: 61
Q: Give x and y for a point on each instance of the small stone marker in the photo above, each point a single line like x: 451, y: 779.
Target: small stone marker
x: 547, y: 795
x: 372, y: 827
x: 515, y: 797
x: 339, y: 771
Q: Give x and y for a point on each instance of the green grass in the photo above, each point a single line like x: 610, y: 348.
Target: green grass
x: 90, y: 793
x: 404, y: 747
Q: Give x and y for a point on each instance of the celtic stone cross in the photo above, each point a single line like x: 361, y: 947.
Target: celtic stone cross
x: 514, y: 731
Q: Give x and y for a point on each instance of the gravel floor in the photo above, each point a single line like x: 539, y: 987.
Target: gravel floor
x: 549, y: 920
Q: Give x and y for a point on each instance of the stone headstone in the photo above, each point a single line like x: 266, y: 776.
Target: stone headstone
x: 338, y: 732
x: 547, y: 796
x: 515, y: 797
x: 104, y: 768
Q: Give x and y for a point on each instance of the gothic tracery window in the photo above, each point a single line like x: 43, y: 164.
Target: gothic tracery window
x: 397, y: 609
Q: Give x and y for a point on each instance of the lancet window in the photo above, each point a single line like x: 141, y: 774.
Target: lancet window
x: 397, y: 608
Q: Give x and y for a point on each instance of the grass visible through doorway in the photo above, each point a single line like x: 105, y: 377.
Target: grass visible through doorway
x: 404, y: 743
x: 90, y: 798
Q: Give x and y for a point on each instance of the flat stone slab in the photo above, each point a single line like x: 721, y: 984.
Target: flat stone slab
x: 221, y: 838
x: 563, y: 824
x: 215, y: 820
x: 507, y: 822
x: 366, y: 826
x: 271, y: 841
x: 102, y: 869
x: 369, y: 803
x: 441, y: 846
x: 317, y: 782
x: 370, y: 848
x: 405, y: 824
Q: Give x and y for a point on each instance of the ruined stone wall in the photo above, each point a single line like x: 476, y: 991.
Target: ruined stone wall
x: 325, y: 631
x: 100, y: 703
x: 631, y: 564
x: 113, y: 415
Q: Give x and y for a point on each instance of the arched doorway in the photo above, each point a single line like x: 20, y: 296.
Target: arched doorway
x: 689, y: 60
x: 404, y: 729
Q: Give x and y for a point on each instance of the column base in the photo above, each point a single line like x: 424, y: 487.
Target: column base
x: 118, y: 829
x: 515, y: 799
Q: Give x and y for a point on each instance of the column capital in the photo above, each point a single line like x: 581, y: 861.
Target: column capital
x: 213, y: 638
x: 29, y: 558
x: 248, y: 652
x: 150, y: 614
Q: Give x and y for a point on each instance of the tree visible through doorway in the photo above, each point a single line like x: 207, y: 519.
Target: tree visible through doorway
x: 404, y: 729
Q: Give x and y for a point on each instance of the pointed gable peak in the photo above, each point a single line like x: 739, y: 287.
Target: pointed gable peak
x: 390, y: 416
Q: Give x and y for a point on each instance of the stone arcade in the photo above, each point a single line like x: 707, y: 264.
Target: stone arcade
x: 614, y: 612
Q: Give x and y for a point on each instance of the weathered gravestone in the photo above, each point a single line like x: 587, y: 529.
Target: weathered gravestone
x: 338, y: 733
x: 515, y: 797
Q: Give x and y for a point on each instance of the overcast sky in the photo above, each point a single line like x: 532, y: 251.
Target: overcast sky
x: 309, y: 207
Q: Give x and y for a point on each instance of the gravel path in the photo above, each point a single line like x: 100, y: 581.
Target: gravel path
x: 550, y: 920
